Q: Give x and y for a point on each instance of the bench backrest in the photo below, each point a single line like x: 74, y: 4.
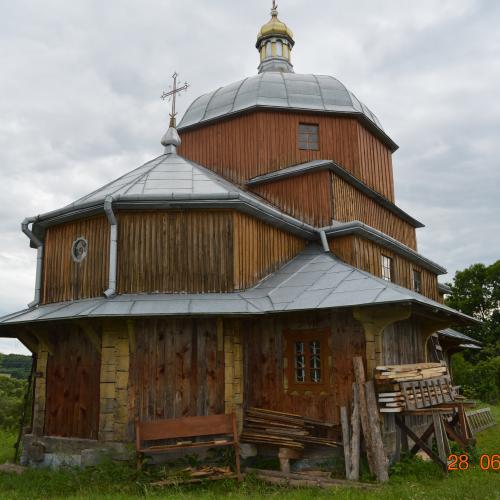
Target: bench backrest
x: 211, y: 425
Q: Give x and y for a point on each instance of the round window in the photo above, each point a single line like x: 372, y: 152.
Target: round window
x: 79, y: 249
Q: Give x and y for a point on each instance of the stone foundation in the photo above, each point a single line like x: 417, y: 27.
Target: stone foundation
x: 54, y: 452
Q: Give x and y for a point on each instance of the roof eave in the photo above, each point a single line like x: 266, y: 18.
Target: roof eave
x: 368, y: 232
x: 370, y: 125
x: 315, y: 165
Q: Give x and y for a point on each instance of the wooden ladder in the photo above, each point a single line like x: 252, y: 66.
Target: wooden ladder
x: 480, y: 419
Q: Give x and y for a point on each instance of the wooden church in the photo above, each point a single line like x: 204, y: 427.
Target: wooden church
x: 243, y: 267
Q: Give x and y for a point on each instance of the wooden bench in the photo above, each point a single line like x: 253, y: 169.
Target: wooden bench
x: 221, y: 428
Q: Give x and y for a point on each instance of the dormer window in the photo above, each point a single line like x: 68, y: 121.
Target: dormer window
x: 308, y: 136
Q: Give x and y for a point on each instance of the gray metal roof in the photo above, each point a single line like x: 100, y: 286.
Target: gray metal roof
x: 170, y: 181
x: 340, y: 229
x: 314, y: 165
x: 313, y: 280
x: 279, y: 90
x: 454, y: 334
x: 165, y: 175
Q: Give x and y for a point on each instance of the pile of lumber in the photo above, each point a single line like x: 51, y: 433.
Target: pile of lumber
x: 418, y: 385
x: 286, y: 430
x: 195, y: 475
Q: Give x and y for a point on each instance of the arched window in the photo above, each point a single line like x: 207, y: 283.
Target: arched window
x: 269, y: 50
x: 279, y: 49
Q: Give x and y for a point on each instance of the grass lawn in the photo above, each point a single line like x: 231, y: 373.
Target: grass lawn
x: 411, y: 479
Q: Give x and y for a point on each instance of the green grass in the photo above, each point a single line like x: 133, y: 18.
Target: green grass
x: 410, y: 479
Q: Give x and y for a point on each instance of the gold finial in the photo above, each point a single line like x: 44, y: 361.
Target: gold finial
x: 172, y: 95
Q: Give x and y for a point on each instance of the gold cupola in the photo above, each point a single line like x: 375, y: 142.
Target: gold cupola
x: 275, y: 43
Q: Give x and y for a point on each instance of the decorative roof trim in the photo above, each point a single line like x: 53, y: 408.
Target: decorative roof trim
x: 305, y: 168
x: 368, y: 232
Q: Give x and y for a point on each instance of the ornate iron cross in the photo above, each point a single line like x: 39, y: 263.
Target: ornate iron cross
x: 171, y: 94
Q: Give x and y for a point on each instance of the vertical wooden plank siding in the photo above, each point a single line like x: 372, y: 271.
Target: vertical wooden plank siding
x: 177, y: 369
x: 260, y: 249
x: 351, y: 204
x: 366, y: 255
x: 175, y: 251
x: 73, y: 369
x: 64, y: 279
x: 374, y: 158
x: 307, y: 197
x: 266, y: 364
x: 259, y: 142
x: 402, y: 343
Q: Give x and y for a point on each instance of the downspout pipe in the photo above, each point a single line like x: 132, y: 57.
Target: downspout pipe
x: 113, y: 246
x: 38, y: 243
x: 324, y: 240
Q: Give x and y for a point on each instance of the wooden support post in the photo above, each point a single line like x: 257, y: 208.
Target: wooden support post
x: 346, y: 441
x: 115, y: 361
x: 233, y: 371
x: 355, y: 439
x: 374, y: 321
x: 40, y: 390
x: 409, y: 433
x: 29, y: 341
x: 443, y: 445
x: 93, y: 337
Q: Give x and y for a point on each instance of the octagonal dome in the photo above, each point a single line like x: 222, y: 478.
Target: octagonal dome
x: 291, y: 91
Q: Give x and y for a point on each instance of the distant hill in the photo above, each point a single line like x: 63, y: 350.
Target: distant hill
x: 15, y: 365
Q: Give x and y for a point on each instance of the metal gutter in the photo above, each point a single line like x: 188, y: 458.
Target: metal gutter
x: 237, y: 200
x: 38, y: 243
x: 358, y: 228
x: 113, y: 246
x: 315, y: 165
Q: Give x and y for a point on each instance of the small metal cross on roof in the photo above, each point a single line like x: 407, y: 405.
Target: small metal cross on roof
x: 171, y: 94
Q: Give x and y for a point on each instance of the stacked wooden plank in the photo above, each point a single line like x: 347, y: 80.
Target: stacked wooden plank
x: 286, y: 430
x: 411, y: 387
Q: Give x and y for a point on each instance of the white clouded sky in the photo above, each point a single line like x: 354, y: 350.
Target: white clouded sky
x: 79, y: 101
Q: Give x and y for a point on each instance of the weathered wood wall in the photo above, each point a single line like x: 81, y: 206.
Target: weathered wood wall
x: 64, y: 279
x: 175, y: 251
x: 260, y: 249
x: 193, y: 251
x: 177, y: 368
x: 265, y: 367
x: 366, y: 255
x: 351, y: 204
x: 403, y: 343
x: 72, y: 384
x: 307, y: 197
x: 259, y: 142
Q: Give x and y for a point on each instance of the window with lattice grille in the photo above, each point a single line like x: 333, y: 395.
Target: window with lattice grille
x: 307, y: 353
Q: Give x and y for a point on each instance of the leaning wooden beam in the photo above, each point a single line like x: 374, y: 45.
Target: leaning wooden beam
x: 359, y: 374
x: 346, y: 440
x: 381, y: 463
x: 355, y: 438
